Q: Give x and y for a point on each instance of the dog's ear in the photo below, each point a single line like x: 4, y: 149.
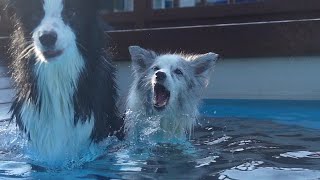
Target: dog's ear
x: 203, y: 64
x: 141, y: 58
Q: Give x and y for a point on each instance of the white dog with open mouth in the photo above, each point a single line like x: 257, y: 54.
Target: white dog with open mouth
x: 168, y: 88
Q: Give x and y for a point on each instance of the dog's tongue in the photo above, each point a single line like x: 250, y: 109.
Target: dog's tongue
x: 161, y: 98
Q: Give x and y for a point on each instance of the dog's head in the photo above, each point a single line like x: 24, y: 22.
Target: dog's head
x: 172, y: 79
x: 53, y: 29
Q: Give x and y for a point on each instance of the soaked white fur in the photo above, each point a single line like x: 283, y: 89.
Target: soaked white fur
x: 52, y: 129
x: 174, y: 122
x: 52, y: 21
x: 180, y: 114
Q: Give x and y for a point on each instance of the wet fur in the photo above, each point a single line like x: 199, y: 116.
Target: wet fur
x: 75, y: 95
x: 179, y: 116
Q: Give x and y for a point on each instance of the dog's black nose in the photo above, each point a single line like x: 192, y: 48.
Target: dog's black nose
x: 160, y: 76
x: 48, y: 38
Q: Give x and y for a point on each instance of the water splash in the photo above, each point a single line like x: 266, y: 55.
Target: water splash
x: 149, y: 131
x: 12, y: 142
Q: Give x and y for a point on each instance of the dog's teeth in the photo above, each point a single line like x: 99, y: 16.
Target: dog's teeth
x: 161, y: 96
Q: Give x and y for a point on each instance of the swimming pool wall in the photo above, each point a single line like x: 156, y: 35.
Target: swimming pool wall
x: 277, y: 78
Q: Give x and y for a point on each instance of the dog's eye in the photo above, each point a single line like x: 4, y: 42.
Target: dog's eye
x: 156, y: 68
x: 178, y: 71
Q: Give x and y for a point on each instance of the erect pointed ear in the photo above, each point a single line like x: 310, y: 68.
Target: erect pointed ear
x: 141, y: 58
x: 202, y: 64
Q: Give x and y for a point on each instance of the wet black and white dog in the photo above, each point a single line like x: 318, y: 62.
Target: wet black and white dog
x: 65, y: 84
x: 166, y: 91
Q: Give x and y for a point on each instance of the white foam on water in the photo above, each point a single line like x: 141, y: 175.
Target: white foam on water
x: 241, y: 143
x: 206, y: 161
x: 301, y: 154
x: 217, y: 141
x: 11, y: 168
x: 127, y: 163
x: 252, y: 171
x: 251, y: 147
x: 14, y: 146
x: 12, y: 142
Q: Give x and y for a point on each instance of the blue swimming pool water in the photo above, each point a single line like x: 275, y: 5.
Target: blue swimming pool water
x: 301, y: 113
x: 235, y: 139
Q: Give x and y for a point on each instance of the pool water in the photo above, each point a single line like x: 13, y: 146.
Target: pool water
x: 234, y: 140
x: 301, y: 113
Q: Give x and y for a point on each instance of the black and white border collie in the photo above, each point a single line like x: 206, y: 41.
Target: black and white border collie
x: 65, y: 85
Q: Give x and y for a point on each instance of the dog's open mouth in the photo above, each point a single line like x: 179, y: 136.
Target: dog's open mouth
x: 161, y: 96
x: 52, y: 53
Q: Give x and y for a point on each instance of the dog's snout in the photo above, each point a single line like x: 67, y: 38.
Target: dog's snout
x: 48, y: 38
x: 160, y: 76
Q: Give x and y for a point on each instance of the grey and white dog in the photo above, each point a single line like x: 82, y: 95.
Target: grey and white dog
x: 166, y: 87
